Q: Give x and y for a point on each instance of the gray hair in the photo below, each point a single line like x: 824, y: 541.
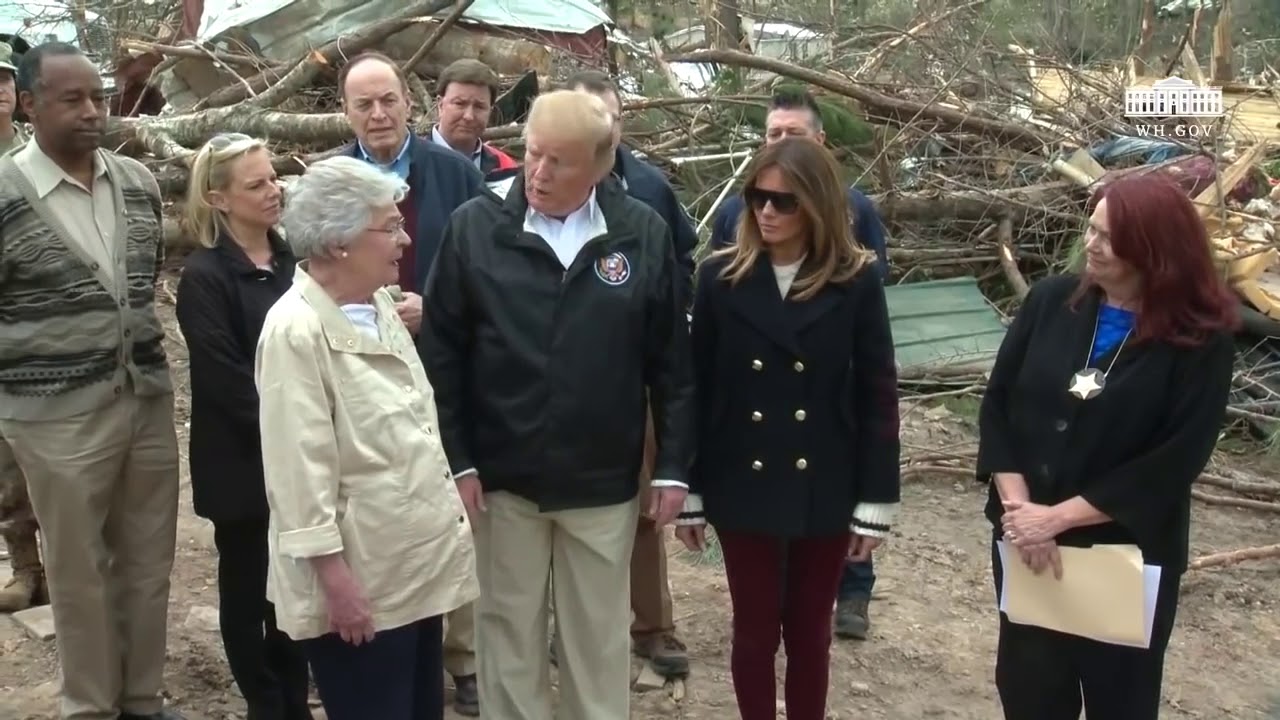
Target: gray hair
x: 332, y: 204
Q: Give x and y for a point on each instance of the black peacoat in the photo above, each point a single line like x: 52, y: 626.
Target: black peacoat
x: 797, y: 402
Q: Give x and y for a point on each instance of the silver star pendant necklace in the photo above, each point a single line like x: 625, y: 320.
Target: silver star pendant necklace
x: 1088, y: 383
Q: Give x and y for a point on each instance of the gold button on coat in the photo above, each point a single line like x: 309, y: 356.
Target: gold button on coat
x: 757, y: 365
x: 801, y: 464
x: 757, y: 416
x: 757, y: 465
x: 800, y: 415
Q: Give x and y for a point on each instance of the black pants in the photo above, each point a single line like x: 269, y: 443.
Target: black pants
x: 398, y: 676
x: 268, y: 667
x: 1047, y: 675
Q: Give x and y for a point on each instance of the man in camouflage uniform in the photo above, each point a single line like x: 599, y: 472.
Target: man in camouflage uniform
x: 11, y: 135
x: 18, y: 527
x: 17, y: 522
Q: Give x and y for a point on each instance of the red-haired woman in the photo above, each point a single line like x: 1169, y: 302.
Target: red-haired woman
x: 1104, y: 404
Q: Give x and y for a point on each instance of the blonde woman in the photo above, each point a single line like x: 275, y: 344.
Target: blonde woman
x: 370, y: 542
x: 797, y: 459
x: 227, y: 286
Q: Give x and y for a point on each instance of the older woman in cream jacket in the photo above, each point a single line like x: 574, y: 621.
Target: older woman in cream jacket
x: 370, y: 544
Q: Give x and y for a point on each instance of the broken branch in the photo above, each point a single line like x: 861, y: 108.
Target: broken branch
x: 1233, y: 557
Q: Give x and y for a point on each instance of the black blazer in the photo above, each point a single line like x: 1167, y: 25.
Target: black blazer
x: 222, y: 302
x: 1132, y: 451
x: 797, y: 402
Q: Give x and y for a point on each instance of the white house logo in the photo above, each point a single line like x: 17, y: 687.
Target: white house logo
x: 1173, y: 97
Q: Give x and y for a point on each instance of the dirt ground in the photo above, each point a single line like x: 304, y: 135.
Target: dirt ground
x: 933, y: 639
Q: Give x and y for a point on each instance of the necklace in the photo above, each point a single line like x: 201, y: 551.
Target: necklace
x: 1088, y: 382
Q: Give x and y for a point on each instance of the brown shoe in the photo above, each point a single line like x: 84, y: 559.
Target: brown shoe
x: 664, y: 651
x: 27, y: 587
x: 21, y: 592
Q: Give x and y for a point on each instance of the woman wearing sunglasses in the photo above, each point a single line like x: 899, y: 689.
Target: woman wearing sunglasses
x: 227, y: 287
x: 797, y: 462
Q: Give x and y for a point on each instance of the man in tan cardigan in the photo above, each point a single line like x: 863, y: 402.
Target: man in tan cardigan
x: 86, y: 401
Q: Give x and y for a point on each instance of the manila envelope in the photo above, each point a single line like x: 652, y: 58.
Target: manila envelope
x: 1101, y: 596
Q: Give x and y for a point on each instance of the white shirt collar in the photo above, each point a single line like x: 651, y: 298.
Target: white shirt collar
x: 438, y: 139
x: 568, y: 236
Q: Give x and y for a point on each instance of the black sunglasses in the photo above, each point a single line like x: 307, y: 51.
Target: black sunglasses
x: 783, y: 202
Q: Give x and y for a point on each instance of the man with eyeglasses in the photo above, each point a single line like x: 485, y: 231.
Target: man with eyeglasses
x: 375, y: 100
x: 86, y: 400
x: 796, y: 114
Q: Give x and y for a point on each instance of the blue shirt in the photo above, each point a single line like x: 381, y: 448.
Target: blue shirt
x: 399, y: 166
x: 1113, y: 325
x: 868, y: 230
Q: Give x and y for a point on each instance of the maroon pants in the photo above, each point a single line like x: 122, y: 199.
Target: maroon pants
x: 782, y: 590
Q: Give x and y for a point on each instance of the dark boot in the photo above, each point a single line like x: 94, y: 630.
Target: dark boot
x: 27, y: 587
x: 666, y: 654
x: 852, y: 621
x: 466, y: 696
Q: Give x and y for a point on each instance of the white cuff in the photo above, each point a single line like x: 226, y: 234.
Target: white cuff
x: 873, y: 519
x: 691, y: 513
x: 464, y: 473
x: 667, y: 483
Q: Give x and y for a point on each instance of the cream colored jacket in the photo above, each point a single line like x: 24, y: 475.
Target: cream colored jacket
x: 353, y: 464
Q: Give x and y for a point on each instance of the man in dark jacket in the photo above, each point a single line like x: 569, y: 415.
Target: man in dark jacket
x: 653, y: 630
x: 797, y: 115
x: 792, y: 115
x: 375, y: 99
x: 553, y: 318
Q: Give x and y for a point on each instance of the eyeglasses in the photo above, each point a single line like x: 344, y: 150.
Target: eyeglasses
x: 783, y: 202
x: 392, y: 229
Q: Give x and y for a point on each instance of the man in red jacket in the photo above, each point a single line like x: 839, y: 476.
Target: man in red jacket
x: 465, y: 93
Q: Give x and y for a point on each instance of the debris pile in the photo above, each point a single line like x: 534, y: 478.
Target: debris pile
x: 980, y: 157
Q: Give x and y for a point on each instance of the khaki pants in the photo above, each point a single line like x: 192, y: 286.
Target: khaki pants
x: 650, y: 590
x: 104, y: 486
x: 516, y: 548
x: 460, y: 641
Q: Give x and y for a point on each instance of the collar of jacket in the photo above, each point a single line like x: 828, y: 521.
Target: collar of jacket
x: 610, y: 197
x: 240, y: 262
x: 340, y: 333
x: 625, y: 166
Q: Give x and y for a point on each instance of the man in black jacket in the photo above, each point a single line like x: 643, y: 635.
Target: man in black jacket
x: 653, y: 629
x: 552, y: 320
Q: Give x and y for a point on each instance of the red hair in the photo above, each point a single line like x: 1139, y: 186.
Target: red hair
x: 1155, y: 228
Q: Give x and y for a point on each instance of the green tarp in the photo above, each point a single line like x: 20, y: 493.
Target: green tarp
x: 943, y: 325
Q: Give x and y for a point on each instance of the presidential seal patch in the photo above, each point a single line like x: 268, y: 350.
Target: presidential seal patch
x: 613, y: 269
